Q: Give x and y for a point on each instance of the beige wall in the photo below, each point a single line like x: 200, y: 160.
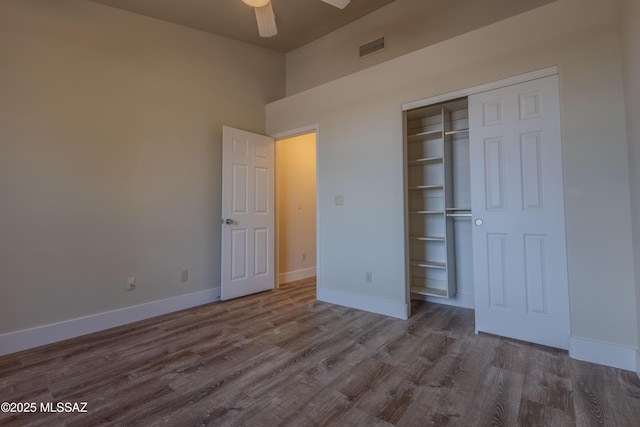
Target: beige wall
x: 110, y: 151
x: 630, y: 15
x: 296, y: 192
x: 360, y: 154
x: 408, y: 25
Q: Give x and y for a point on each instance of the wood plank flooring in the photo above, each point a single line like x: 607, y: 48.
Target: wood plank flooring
x: 283, y: 358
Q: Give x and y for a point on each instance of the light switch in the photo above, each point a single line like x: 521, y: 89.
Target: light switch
x: 339, y: 200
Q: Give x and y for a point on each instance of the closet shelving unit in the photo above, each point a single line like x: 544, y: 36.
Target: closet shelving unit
x: 435, y: 138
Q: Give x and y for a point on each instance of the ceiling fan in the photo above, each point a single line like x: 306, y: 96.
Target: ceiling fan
x: 267, y: 20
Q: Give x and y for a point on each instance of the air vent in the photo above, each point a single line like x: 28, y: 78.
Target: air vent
x: 372, y: 47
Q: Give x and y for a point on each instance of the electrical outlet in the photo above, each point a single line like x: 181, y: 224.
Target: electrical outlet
x: 339, y: 200
x: 131, y: 284
x: 184, y: 275
x: 368, y: 277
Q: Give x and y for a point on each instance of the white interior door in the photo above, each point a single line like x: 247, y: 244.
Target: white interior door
x: 248, y: 164
x: 519, y: 248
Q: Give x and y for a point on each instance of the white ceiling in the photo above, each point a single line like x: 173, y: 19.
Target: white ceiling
x: 299, y: 21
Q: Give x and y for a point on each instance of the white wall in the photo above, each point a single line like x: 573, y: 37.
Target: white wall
x: 296, y: 199
x: 630, y: 15
x: 360, y: 155
x: 110, y: 151
x: 408, y: 25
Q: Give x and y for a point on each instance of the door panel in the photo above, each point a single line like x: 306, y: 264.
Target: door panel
x: 247, y: 206
x: 239, y: 188
x: 530, y: 151
x: 238, y: 254
x: 535, y: 274
x: 494, y: 179
x: 261, y: 238
x: 519, y: 246
x: 496, y: 263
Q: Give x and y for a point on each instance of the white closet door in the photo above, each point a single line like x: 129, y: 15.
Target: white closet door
x: 519, y: 248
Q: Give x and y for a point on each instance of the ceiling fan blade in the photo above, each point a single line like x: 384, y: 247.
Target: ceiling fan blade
x: 341, y: 4
x: 266, y: 21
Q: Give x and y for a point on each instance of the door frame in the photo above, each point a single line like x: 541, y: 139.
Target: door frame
x: 314, y: 128
x: 473, y: 90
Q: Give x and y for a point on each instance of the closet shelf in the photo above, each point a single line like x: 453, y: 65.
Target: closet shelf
x: 426, y: 160
x: 428, y: 238
x: 426, y: 187
x: 422, y: 136
x: 454, y: 132
x: 429, y: 264
x: 435, y: 288
x: 426, y: 132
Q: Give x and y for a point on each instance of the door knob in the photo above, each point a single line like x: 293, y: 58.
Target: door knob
x: 227, y: 221
x: 478, y: 221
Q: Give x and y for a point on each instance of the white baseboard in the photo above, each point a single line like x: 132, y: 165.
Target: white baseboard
x: 638, y: 363
x: 365, y: 303
x: 460, y: 300
x: 602, y: 353
x: 292, y: 276
x: 47, y: 334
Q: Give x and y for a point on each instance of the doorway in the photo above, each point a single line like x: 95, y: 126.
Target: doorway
x: 296, y: 181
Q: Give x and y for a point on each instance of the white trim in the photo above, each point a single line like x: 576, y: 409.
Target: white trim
x: 318, y: 248
x: 365, y: 303
x: 291, y: 276
x: 533, y: 75
x: 603, y: 353
x: 638, y: 362
x: 296, y: 132
x: 47, y: 334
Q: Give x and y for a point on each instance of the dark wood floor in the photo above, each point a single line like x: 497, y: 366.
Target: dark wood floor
x: 283, y: 358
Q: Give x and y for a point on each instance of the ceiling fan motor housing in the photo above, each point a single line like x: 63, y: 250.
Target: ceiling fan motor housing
x: 256, y: 3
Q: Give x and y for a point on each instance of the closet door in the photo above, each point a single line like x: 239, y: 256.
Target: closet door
x: 519, y: 248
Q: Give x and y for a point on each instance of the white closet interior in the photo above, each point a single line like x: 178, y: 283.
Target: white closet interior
x: 438, y: 202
